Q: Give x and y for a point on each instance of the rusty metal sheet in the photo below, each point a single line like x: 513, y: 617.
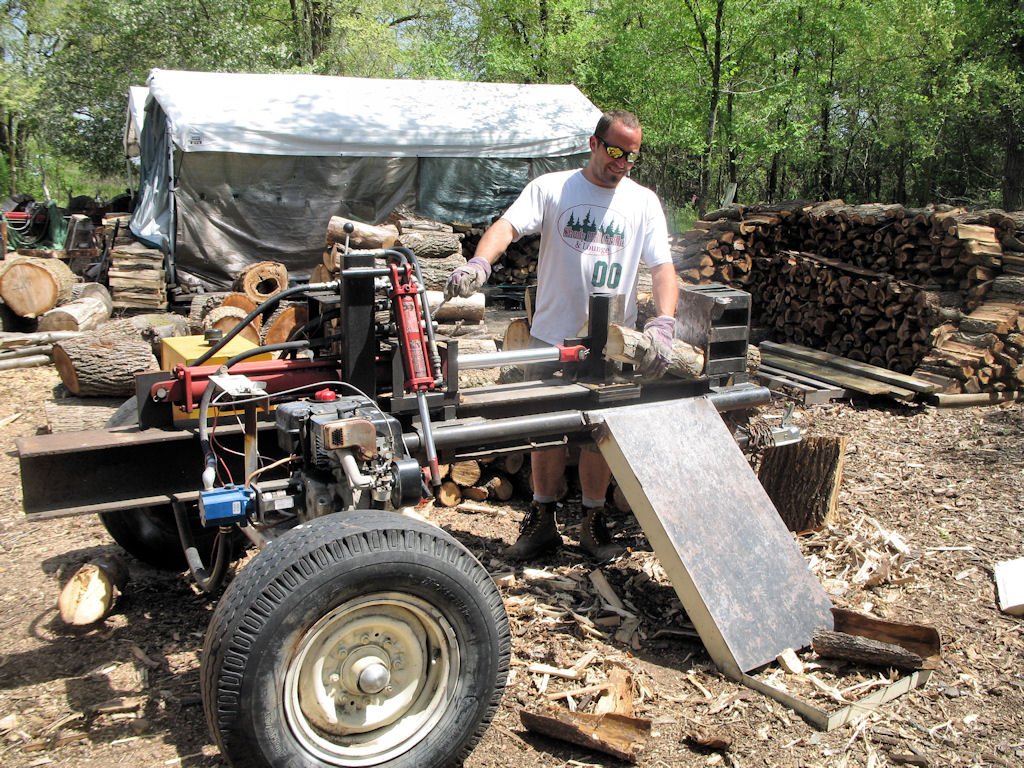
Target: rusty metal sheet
x: 733, y: 563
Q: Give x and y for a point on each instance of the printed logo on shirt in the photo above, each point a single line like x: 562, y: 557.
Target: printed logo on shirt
x: 592, y: 230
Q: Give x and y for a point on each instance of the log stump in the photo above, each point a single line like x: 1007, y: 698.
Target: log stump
x: 802, y: 479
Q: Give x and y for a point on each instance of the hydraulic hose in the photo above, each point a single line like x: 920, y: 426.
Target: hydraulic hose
x: 332, y: 285
x: 208, y: 580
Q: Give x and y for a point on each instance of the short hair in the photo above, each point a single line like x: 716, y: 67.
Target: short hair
x: 628, y: 119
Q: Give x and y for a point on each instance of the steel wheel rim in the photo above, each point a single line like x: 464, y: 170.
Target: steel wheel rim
x: 371, y: 679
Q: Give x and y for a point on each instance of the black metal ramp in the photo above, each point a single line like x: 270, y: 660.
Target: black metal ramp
x: 732, y: 561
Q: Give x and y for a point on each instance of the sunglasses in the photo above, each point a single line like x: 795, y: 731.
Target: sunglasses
x: 617, y: 153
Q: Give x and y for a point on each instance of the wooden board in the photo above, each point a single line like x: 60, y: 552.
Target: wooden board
x: 736, y: 569
x: 803, y: 388
x: 807, y: 354
x: 844, y: 379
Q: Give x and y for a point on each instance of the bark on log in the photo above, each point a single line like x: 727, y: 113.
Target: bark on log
x: 431, y: 245
x: 30, y: 286
x: 802, y: 479
x: 92, y: 290
x: 839, y: 645
x: 629, y: 346
x: 29, y: 361
x: 104, y: 362
x: 154, y: 327
x: 262, y: 280
x: 73, y: 414
x: 363, y: 235
x: 82, y: 314
x: 201, y: 306
x: 226, y: 318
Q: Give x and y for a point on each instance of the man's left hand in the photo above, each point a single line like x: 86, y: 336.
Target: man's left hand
x: 660, y: 331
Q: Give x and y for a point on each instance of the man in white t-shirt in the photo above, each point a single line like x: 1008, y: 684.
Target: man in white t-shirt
x: 596, y: 224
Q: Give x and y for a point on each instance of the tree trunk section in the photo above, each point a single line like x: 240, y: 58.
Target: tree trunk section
x: 104, y: 363
x: 362, y: 236
x: 31, y: 286
x: 431, y: 245
x: 262, y: 280
x: 802, y: 479
x: 81, y: 315
x: 629, y: 346
x: 285, y: 319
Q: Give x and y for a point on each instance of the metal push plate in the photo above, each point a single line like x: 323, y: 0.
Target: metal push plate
x: 733, y: 563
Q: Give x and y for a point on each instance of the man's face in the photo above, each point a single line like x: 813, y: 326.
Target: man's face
x: 606, y: 171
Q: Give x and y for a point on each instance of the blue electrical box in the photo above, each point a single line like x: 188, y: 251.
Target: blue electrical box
x: 224, y: 506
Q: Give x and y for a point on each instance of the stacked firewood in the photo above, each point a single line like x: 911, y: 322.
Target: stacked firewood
x: 930, y: 290
x: 517, y: 266
x: 480, y: 480
x: 137, y: 277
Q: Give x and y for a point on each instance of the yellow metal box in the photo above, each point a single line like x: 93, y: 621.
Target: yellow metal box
x: 185, y: 349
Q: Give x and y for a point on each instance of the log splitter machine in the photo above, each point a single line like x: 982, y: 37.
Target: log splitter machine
x: 355, y: 636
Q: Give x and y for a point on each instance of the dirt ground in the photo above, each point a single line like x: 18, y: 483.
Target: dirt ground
x: 930, y: 502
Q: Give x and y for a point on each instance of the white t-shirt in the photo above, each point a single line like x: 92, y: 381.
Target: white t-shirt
x: 592, y: 240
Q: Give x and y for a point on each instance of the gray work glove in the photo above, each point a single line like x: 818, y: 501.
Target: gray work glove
x: 467, y: 279
x: 660, y: 331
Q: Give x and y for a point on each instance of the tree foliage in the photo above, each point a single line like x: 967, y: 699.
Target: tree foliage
x: 887, y: 100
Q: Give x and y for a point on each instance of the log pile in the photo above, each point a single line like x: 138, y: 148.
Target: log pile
x: 938, y: 291
x: 479, y: 480
x: 517, y: 266
x: 136, y: 277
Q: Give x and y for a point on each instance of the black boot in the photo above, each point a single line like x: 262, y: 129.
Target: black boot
x: 537, y: 533
x: 594, y: 536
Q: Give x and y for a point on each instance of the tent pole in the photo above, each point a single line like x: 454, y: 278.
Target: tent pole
x: 172, y: 278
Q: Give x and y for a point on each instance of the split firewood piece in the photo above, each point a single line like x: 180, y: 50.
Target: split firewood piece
x: 517, y: 335
x: 839, y: 645
x: 469, y: 309
x: 630, y: 346
x: 449, y: 494
x: 262, y: 280
x: 104, y: 362
x: 82, y: 314
x: 604, y: 589
x: 30, y: 286
x: 466, y: 473
x: 226, y: 318
x: 621, y: 736
x: 618, y: 697
x: 92, y: 591
x: 790, y: 662
x: 362, y: 235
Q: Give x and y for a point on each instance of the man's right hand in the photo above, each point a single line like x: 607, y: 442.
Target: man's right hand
x: 467, y: 279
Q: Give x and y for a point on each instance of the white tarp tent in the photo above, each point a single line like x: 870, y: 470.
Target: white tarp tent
x: 238, y: 168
